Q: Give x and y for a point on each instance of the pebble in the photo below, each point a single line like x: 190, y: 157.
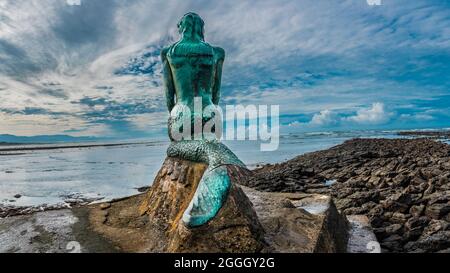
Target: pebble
x: 105, y: 206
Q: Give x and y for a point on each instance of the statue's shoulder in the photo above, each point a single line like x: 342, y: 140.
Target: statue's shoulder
x: 219, y: 52
x: 165, y: 51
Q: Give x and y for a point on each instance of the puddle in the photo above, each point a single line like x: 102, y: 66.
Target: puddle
x: 315, y: 208
x: 26, y: 201
x: 330, y: 183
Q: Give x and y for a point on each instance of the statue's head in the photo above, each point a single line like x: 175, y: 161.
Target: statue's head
x: 191, y: 25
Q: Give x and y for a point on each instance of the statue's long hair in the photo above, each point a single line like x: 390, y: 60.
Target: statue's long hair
x: 191, y: 25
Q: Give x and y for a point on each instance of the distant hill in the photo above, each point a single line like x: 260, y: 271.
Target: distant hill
x: 12, y: 139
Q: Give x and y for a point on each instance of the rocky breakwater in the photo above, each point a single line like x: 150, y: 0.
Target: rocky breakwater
x: 402, y: 185
x: 444, y: 134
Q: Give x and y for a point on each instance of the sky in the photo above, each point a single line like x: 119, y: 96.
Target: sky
x: 94, y: 70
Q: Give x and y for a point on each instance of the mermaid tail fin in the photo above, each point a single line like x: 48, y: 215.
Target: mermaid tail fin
x: 211, y: 194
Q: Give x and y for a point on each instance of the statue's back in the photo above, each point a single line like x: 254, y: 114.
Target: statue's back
x: 192, y: 66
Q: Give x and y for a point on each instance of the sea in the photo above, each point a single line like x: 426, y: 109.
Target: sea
x: 36, y: 177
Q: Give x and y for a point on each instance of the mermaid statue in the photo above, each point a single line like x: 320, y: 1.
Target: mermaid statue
x: 192, y: 72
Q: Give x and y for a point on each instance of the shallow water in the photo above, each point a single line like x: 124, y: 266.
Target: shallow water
x: 53, y: 176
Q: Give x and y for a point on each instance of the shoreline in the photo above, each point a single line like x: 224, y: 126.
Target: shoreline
x: 38, y: 147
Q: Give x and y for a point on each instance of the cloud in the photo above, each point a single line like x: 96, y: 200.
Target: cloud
x: 324, y: 118
x: 374, y: 115
x: 416, y: 117
x: 98, y: 63
x: 58, y: 93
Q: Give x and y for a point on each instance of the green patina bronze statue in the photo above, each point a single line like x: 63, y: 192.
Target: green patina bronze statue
x: 192, y: 72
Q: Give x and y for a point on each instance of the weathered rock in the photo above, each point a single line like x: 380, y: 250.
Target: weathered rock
x: 435, y: 226
x: 300, y: 223
x: 431, y: 243
x: 399, y: 218
x: 392, y: 243
x: 394, y: 229
x: 437, y: 210
x: 417, y: 222
x: 417, y: 211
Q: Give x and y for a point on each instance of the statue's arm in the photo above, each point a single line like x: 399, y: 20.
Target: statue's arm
x: 169, y: 87
x: 220, y: 58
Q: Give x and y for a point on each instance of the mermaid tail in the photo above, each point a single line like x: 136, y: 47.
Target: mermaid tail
x: 213, y: 188
x: 209, y: 197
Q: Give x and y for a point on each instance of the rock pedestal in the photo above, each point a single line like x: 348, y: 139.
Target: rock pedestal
x: 235, y: 228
